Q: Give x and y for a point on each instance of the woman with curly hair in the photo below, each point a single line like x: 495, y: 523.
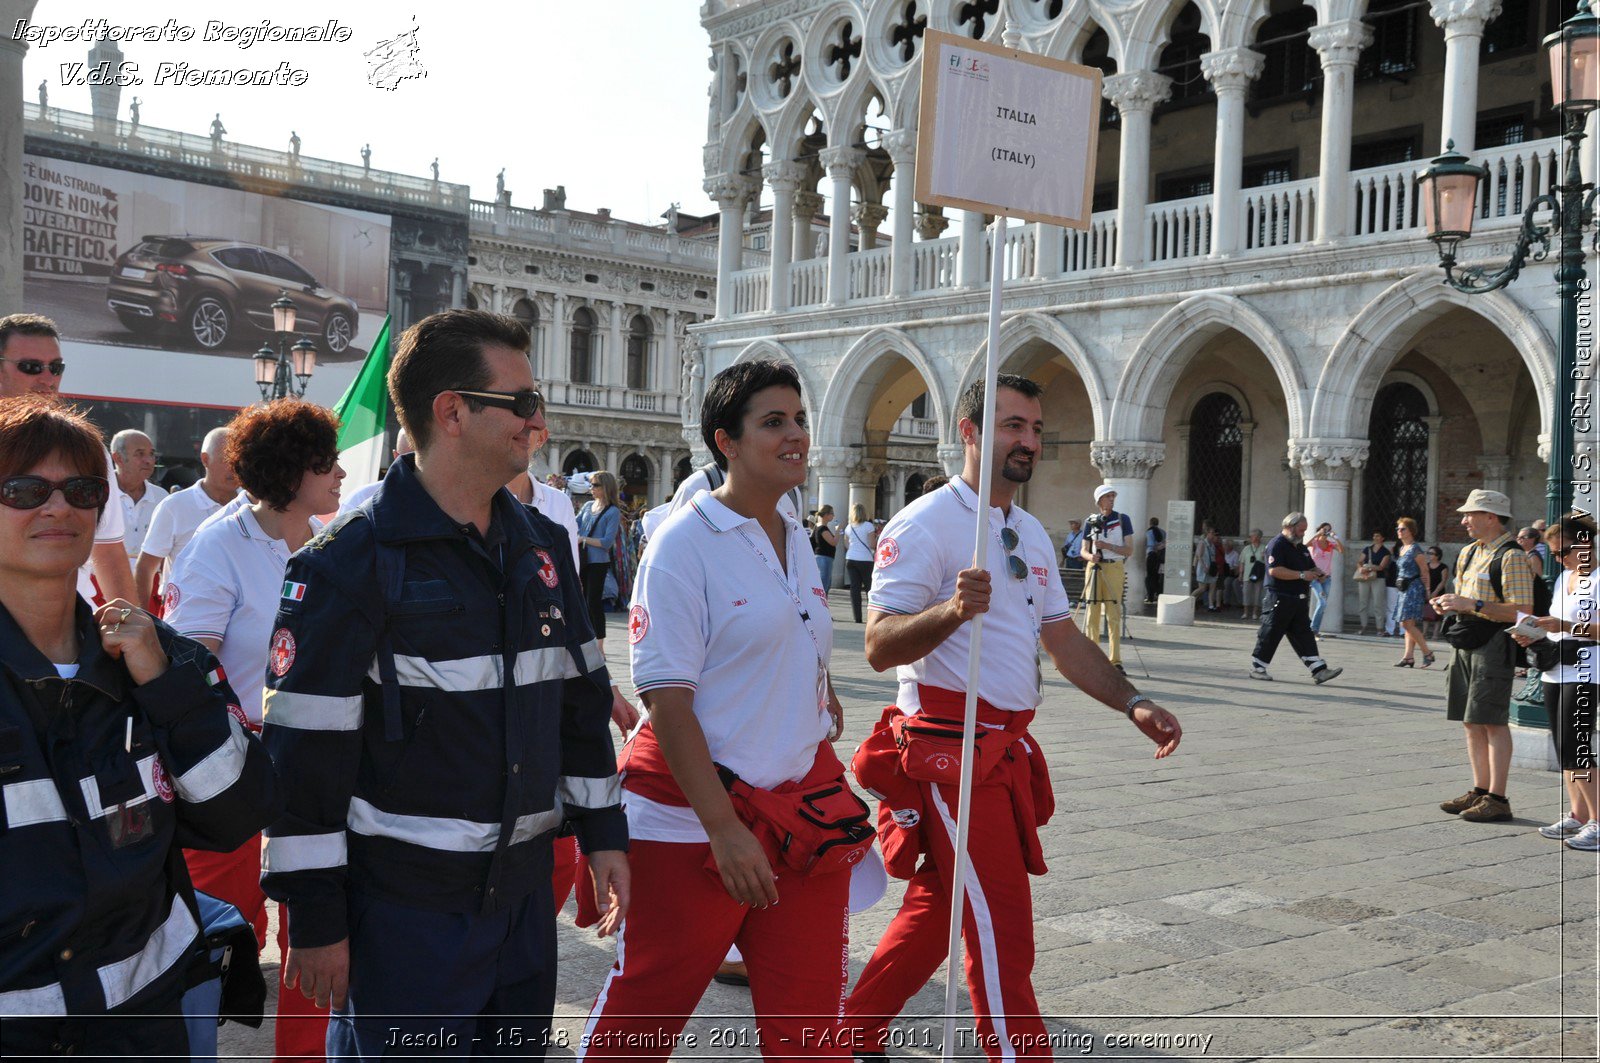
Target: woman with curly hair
x: 224, y: 594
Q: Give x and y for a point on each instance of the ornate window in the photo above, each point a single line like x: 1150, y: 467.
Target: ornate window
x: 1097, y: 53
x: 1292, y: 68
x: 1393, y: 51
x: 1511, y: 31
x: 843, y: 50
x: 1180, y: 60
x: 1396, y: 481
x: 1216, y: 455
x: 973, y: 16
x: 907, y: 30
x: 785, y: 69
x: 639, y: 339
x: 579, y: 461
x: 635, y: 477
x: 525, y: 312
x: 581, y: 368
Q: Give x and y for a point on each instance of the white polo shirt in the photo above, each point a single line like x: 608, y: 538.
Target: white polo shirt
x: 358, y: 496
x: 226, y: 585
x: 557, y: 505
x: 713, y: 613
x: 107, y: 529
x: 226, y: 510
x: 175, y: 521
x: 923, y: 548
x: 136, y: 519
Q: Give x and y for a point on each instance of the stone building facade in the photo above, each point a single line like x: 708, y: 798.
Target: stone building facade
x: 1254, y: 318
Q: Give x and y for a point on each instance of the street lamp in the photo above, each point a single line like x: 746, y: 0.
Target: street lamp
x: 277, y: 373
x: 1449, y: 191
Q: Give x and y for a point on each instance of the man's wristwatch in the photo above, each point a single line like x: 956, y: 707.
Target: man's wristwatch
x: 1127, y: 709
x: 1477, y: 605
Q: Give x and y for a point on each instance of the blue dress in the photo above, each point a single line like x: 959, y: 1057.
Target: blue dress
x: 1412, y: 599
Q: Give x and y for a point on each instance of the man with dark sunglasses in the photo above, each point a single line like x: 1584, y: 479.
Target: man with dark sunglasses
x: 31, y: 364
x: 924, y: 591
x: 437, y: 709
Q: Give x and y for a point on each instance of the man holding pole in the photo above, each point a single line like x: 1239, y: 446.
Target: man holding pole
x: 925, y: 591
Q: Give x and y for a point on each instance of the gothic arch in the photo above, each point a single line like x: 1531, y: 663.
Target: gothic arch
x: 1017, y: 331
x: 1200, y: 392
x: 1150, y: 375
x: 850, y: 110
x: 1378, y: 335
x: 846, y: 393
x: 1078, y: 23
x: 742, y: 126
x: 769, y: 348
x: 789, y: 130
x: 1151, y: 30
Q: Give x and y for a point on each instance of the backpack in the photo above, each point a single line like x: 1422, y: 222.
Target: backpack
x: 1543, y: 591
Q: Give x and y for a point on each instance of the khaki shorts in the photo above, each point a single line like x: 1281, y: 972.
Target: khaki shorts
x: 1479, y: 683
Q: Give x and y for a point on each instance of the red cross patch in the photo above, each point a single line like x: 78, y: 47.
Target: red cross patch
x: 280, y: 657
x: 888, y: 553
x: 170, y: 599
x: 237, y: 712
x: 547, y: 569
x: 158, y: 777
x: 638, y: 623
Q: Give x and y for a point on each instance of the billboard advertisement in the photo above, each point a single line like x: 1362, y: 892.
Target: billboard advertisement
x: 163, y: 289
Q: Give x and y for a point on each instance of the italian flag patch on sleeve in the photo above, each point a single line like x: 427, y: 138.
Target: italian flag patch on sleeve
x: 216, y: 676
x: 293, y: 592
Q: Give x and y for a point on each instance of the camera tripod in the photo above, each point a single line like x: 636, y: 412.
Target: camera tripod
x: 1095, y: 592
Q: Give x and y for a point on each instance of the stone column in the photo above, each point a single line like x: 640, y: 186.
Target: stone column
x: 1326, y: 466
x: 1049, y: 247
x: 730, y: 192
x: 1135, y: 96
x: 1430, y: 521
x: 613, y: 459
x: 1462, y: 22
x: 1127, y: 467
x: 667, y: 370
x: 1496, y: 469
x: 1230, y: 73
x: 841, y: 165
x: 807, y: 203
x: 497, y: 299
x: 661, y: 487
x: 558, y: 361
x: 1339, y: 45
x: 1247, y: 431
x: 833, y: 465
x: 614, y: 362
x: 784, y: 179
x: 901, y: 144
x: 971, y: 263
x: 864, y: 490
x: 868, y: 216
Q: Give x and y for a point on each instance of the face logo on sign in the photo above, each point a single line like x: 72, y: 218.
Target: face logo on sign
x: 171, y: 598
x: 638, y: 623
x: 547, y: 569
x: 159, y: 778
x: 888, y: 553
x: 280, y: 657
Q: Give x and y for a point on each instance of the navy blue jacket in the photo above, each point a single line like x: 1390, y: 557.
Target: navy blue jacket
x: 1284, y: 552
x: 442, y: 788
x: 95, y: 912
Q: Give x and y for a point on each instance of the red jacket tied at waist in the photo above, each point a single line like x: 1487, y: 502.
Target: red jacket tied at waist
x: 1006, y: 756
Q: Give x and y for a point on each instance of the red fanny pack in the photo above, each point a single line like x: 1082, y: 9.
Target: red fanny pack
x: 930, y: 745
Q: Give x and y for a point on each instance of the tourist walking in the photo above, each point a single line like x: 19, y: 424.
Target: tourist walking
x: 1290, y: 569
x: 1412, y: 581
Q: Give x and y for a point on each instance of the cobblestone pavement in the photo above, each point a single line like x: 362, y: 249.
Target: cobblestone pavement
x: 1284, y: 886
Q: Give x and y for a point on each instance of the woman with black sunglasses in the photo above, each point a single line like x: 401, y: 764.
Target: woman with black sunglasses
x: 224, y: 593
x: 116, y: 747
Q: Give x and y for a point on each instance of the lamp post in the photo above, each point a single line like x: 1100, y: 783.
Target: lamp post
x: 277, y: 373
x: 1449, y: 204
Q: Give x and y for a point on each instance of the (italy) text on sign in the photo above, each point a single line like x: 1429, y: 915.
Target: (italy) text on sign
x: 1006, y: 132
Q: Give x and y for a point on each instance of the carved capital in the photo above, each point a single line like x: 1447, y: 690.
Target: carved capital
x: 841, y: 162
x: 729, y: 190
x: 807, y: 204
x: 1133, y: 460
x: 1232, y: 69
x: 931, y: 223
x: 1497, y: 467
x: 1327, y: 459
x: 1137, y: 90
x: 869, y: 215
x: 1463, y: 18
x: 784, y: 176
x: 901, y: 144
x: 1340, y: 42
x: 952, y: 456
x: 834, y: 463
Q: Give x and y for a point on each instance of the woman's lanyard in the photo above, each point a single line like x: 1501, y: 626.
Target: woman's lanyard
x: 800, y: 607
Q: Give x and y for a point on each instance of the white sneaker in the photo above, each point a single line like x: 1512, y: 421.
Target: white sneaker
x: 1587, y: 839
x: 1260, y: 673
x: 1565, y: 827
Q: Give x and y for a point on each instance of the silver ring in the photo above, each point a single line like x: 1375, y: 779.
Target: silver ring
x: 126, y: 612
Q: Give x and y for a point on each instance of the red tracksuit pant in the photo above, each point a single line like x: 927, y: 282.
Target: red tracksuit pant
x: 996, y: 932
x: 301, y: 1030
x: 564, y: 851
x: 677, y: 933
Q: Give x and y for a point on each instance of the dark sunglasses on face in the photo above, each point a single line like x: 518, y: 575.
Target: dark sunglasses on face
x: 31, y: 492
x: 523, y: 404
x: 35, y: 366
x: 1014, y: 564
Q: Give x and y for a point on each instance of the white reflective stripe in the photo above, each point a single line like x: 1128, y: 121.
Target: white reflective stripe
x: 91, y: 789
x: 450, y: 835
x: 988, y: 947
x: 46, y: 1000
x: 593, y: 659
x: 544, y: 664
x: 534, y: 824
x: 169, y: 944
x: 310, y: 712
x: 303, y: 852
x: 219, y: 770
x: 33, y: 801
x: 589, y: 793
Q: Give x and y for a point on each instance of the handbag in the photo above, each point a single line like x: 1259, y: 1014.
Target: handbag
x: 1544, y: 655
x: 1402, y: 582
x: 1258, y: 571
x: 1469, y: 632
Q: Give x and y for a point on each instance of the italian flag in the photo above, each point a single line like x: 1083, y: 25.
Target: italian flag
x: 361, y: 414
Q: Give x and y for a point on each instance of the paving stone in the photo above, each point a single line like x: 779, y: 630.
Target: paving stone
x: 1390, y: 989
x: 1337, y: 910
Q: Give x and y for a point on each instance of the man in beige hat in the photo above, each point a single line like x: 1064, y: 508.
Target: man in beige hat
x: 1107, y: 543
x: 1495, y: 582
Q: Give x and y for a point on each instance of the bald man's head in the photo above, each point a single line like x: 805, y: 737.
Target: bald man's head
x: 219, y: 479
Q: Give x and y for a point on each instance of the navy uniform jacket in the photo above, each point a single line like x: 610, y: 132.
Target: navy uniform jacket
x: 1284, y: 552
x: 94, y: 908
x: 445, y: 793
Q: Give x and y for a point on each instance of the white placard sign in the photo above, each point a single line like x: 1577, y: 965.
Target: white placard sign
x: 1006, y: 132
x: 1180, y: 547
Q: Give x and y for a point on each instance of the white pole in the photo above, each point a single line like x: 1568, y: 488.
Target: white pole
x: 958, y: 882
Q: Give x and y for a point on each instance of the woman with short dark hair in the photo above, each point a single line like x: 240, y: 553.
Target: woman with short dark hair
x: 224, y: 593
x: 119, y: 749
